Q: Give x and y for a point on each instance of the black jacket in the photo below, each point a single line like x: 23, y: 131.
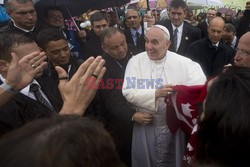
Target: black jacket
x: 72, y: 66
x: 203, y: 27
x: 211, y: 59
x: 190, y: 34
x: 141, y: 45
x: 243, y: 25
x: 93, y: 46
x: 11, y: 28
x: 95, y: 108
x: 22, y: 109
x: 118, y: 112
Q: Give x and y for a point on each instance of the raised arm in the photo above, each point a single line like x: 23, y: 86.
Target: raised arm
x: 78, y: 92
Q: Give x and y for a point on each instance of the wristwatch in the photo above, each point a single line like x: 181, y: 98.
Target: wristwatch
x: 9, y: 88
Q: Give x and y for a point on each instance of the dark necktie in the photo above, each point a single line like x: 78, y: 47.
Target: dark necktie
x: 35, y: 88
x: 137, y: 34
x: 175, y: 39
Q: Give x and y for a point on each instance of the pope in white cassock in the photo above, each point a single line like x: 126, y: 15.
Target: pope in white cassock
x: 147, y: 82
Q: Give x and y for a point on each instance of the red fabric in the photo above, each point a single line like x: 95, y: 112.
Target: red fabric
x: 183, y: 111
x: 191, y: 150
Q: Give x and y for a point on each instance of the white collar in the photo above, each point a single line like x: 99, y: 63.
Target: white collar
x: 26, y: 90
x: 217, y: 44
x: 234, y: 41
x: 206, y: 20
x: 179, y: 28
x: 133, y: 31
x: 22, y: 28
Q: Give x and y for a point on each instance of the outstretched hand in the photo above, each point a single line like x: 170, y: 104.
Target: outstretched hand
x: 21, y: 73
x: 78, y: 92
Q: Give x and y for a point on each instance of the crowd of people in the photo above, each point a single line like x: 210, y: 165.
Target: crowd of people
x: 100, y: 96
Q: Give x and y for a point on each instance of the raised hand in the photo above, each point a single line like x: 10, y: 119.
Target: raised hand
x: 78, y: 93
x: 22, y: 72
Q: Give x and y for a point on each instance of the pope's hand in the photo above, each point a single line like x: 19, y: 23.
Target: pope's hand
x: 143, y: 118
x: 166, y: 90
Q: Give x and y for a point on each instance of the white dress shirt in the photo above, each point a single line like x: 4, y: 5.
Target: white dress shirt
x: 179, y: 34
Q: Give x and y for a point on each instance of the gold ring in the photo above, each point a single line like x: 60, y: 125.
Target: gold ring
x: 33, y: 66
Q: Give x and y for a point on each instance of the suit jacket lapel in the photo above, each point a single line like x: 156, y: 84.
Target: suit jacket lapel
x: 130, y: 38
x: 50, y: 89
x: 184, y: 38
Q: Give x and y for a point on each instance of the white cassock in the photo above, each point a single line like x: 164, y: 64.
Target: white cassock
x: 153, y: 145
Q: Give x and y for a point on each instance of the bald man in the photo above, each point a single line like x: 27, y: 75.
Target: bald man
x: 242, y: 57
x: 147, y: 82
x: 211, y: 52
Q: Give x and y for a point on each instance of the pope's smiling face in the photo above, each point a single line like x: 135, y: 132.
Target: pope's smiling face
x: 156, y: 43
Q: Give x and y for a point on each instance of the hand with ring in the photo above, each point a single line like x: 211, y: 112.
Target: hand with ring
x: 22, y: 72
x: 77, y: 93
x: 166, y: 90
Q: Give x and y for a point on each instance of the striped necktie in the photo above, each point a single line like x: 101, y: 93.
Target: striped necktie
x: 35, y: 88
x: 137, y: 34
x: 175, y: 37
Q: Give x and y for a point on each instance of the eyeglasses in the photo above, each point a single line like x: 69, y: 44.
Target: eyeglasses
x: 56, y: 17
x: 242, y: 52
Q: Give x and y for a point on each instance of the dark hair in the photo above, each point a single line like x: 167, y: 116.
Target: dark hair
x: 47, y: 35
x: 8, y: 40
x: 60, y: 141
x: 109, y: 32
x: 224, y: 133
x: 178, y: 4
x: 9, y: 7
x: 211, y: 9
x: 46, y: 11
x: 98, y: 16
x: 229, y: 28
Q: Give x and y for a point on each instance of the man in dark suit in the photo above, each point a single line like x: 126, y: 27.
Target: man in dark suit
x: 229, y: 35
x: 212, y: 53
x: 243, y: 24
x: 135, y: 34
x: 182, y: 34
x: 93, y: 45
x: 41, y: 98
x: 119, y: 116
x: 211, y: 13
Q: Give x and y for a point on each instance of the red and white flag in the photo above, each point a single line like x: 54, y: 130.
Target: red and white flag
x: 182, y: 112
x: 182, y: 107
